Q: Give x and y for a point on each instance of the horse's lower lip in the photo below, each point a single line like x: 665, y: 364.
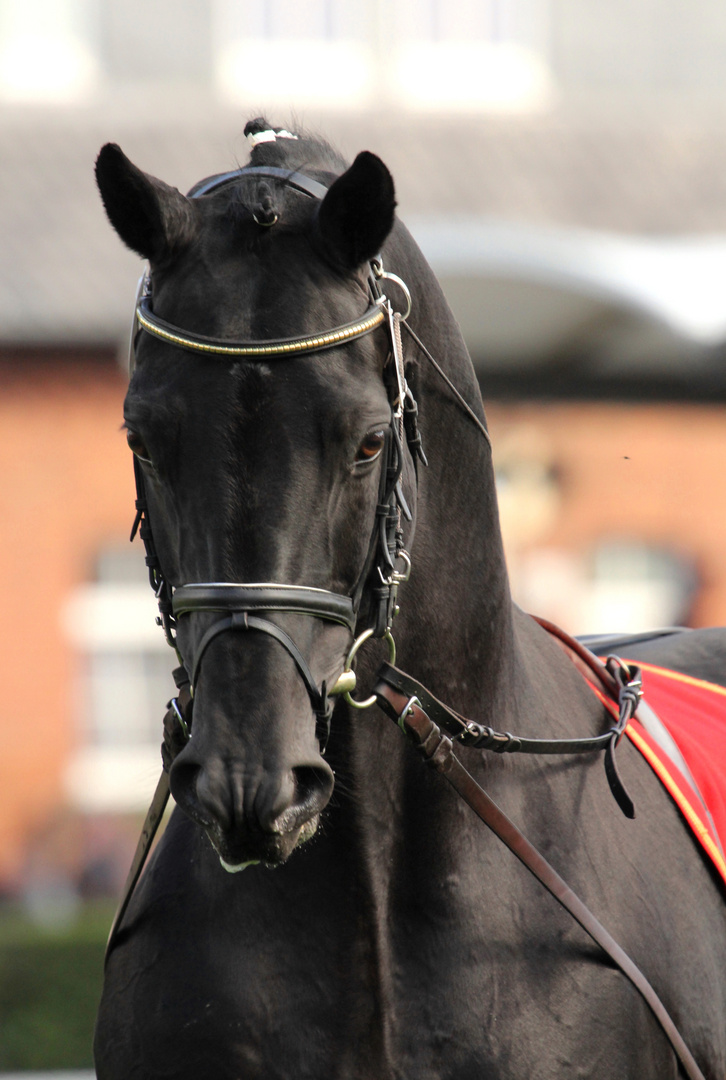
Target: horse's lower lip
x: 271, y: 849
x: 234, y: 868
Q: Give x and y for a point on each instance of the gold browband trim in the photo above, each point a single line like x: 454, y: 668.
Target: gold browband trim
x: 284, y: 347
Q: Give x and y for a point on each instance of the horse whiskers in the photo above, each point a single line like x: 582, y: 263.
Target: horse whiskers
x: 345, y: 788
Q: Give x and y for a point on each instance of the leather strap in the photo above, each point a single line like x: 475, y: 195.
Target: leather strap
x: 265, y: 349
x: 437, y: 749
x: 178, y: 714
x: 470, y: 733
x: 588, y: 664
x: 148, y: 831
x: 240, y: 620
x: 292, y: 179
x: 224, y: 596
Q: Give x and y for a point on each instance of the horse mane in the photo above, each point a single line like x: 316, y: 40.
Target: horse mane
x: 296, y: 150
x: 307, y: 149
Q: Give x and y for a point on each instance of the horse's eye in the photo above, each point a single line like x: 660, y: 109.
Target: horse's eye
x: 371, y: 446
x: 137, y: 445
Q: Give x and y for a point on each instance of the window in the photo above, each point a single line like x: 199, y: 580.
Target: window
x: 123, y: 683
x: 471, y: 55
x: 47, y: 50
x: 638, y: 586
x: 426, y: 54
x: 615, y: 586
x: 284, y: 51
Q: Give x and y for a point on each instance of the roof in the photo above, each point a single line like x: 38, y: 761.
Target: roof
x: 517, y: 184
x: 567, y: 284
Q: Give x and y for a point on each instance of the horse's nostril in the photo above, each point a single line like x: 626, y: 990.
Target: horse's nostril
x: 308, y: 794
x: 313, y: 787
x: 221, y: 798
x: 183, y: 781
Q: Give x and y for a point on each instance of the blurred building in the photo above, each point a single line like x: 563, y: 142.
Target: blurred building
x: 563, y: 166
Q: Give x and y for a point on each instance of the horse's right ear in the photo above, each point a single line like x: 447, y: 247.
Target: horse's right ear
x: 151, y: 218
x: 356, y: 215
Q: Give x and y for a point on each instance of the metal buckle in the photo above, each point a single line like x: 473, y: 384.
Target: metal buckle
x: 397, y: 577
x: 408, y: 708
x: 174, y: 706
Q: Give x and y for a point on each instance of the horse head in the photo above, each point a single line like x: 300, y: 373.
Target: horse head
x: 261, y: 468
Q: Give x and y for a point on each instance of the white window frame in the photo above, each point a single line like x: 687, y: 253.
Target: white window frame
x: 422, y: 55
x: 115, y: 770
x: 48, y: 51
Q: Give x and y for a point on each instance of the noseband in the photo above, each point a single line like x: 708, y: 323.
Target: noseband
x: 243, y: 601
x: 246, y: 606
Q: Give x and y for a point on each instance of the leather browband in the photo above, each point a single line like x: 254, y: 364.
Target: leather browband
x: 225, y: 596
x: 281, y: 347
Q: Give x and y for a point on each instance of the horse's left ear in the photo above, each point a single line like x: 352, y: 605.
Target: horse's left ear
x: 151, y: 218
x: 356, y: 215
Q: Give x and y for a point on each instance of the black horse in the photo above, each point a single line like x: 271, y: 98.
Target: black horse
x: 402, y: 940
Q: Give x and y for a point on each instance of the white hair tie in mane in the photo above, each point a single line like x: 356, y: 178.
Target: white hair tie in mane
x: 268, y: 136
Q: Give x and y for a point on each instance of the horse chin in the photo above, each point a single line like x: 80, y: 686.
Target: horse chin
x: 271, y: 850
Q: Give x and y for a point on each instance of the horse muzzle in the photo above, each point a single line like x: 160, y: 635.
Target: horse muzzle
x: 248, y: 817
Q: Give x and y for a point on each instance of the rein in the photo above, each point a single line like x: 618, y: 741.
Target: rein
x: 437, y: 750
x: 244, y: 607
x: 622, y: 683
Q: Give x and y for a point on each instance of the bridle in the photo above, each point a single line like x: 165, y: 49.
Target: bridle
x: 247, y: 606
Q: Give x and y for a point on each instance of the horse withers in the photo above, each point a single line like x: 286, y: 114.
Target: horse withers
x: 377, y: 930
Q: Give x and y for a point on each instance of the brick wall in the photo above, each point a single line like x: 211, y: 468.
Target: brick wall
x: 653, y: 473
x: 66, y: 489
x: 650, y: 472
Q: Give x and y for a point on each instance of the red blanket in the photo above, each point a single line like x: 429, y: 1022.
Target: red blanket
x: 695, y: 714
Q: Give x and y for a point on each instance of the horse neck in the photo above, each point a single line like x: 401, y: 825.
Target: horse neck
x: 459, y: 632
x: 457, y: 616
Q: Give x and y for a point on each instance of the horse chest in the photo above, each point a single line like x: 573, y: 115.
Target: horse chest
x: 299, y: 973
